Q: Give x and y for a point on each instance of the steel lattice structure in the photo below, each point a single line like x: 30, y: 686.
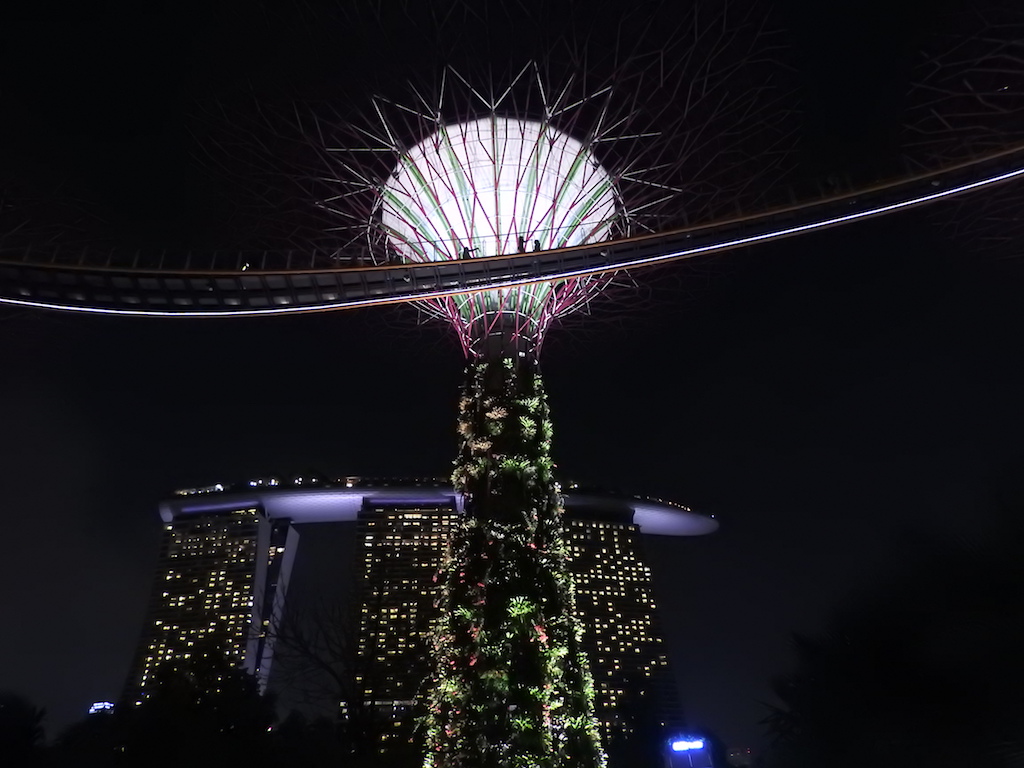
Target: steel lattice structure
x: 461, y: 171
x: 968, y: 98
x: 497, y: 186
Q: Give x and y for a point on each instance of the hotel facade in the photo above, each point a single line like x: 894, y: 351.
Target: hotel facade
x: 227, y: 552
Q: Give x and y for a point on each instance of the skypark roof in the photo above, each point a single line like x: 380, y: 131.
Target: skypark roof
x: 315, y: 502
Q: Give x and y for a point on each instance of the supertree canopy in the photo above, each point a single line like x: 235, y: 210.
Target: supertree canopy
x: 546, y: 162
x: 511, y: 685
x: 499, y: 185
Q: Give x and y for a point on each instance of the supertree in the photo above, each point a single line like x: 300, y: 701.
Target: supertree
x: 510, y: 685
x: 966, y: 101
x: 463, y: 171
x: 588, y: 138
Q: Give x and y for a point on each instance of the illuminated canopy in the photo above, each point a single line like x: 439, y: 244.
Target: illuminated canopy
x: 492, y: 186
x: 483, y: 185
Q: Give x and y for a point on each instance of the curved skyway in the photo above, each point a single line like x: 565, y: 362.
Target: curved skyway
x: 240, y: 284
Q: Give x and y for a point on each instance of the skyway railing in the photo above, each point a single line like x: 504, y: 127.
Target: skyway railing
x: 242, y: 284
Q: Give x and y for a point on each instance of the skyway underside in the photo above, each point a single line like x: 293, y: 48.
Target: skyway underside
x: 230, y: 286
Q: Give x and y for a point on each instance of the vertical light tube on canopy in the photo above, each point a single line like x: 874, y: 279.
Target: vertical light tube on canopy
x: 511, y: 685
x: 495, y: 186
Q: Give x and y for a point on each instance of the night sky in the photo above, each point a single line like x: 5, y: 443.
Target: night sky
x: 821, y: 396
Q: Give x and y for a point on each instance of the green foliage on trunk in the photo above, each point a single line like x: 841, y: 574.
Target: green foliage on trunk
x: 511, y: 686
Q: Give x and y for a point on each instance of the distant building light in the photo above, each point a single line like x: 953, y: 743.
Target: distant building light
x: 101, y: 706
x: 684, y: 745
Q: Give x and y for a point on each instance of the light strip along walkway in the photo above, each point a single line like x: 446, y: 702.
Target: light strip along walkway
x: 226, y: 285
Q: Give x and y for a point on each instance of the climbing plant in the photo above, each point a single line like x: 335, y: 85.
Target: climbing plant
x: 511, y: 687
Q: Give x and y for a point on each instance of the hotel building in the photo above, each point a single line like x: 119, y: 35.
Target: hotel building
x: 227, y: 552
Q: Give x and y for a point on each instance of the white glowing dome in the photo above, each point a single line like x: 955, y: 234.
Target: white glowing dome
x: 497, y: 185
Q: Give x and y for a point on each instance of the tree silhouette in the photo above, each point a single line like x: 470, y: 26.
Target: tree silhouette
x: 21, y: 731
x: 640, y: 742
x: 923, y: 670
x: 312, y: 743
x: 203, y: 712
x: 318, y: 659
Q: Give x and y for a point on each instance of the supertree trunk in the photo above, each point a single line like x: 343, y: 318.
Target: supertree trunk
x: 511, y: 685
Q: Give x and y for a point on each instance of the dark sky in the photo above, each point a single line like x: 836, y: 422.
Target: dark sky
x: 819, y: 396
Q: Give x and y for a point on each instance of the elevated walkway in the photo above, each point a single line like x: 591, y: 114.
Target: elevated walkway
x: 241, y: 284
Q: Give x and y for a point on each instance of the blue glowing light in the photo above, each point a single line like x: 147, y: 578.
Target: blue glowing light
x: 101, y: 706
x: 684, y: 745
